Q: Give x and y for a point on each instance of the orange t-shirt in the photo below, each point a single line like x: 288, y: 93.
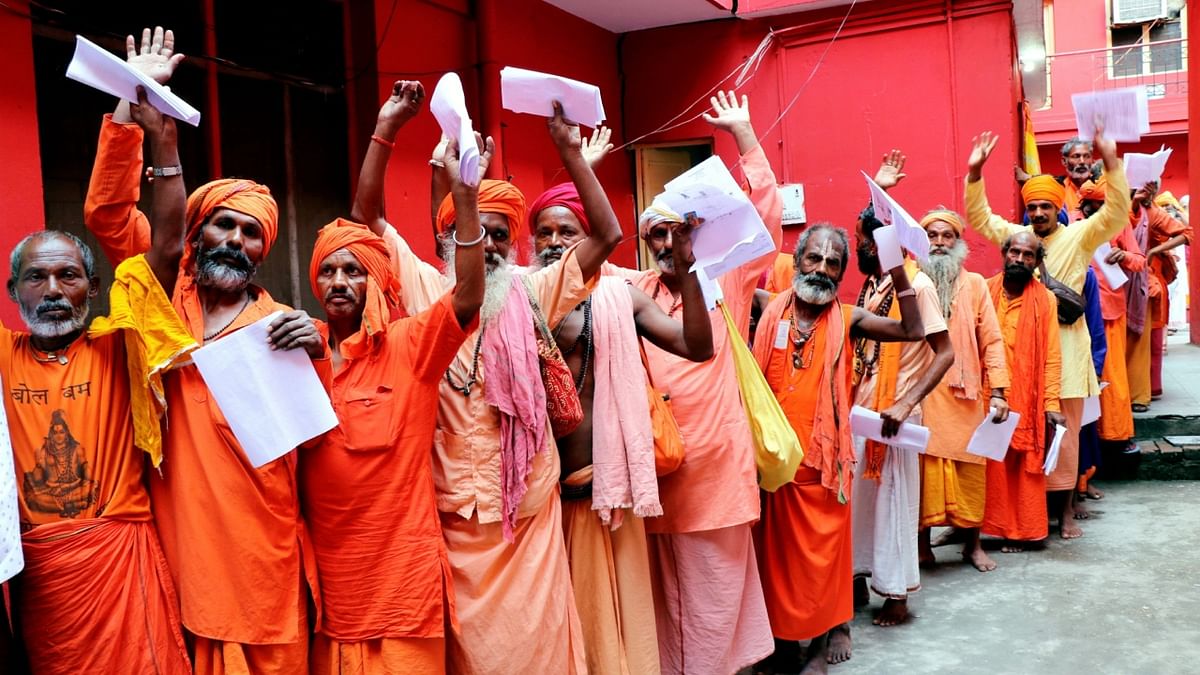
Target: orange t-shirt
x: 72, y: 431
x: 368, y: 488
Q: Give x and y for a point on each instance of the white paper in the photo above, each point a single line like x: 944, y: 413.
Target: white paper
x: 709, y: 288
x: 273, y: 400
x: 528, y: 91
x: 449, y: 107
x: 991, y: 440
x: 910, y: 233
x: 12, y: 559
x: 782, y: 332
x: 1141, y: 168
x: 1113, y: 274
x: 97, y: 68
x: 792, y: 196
x: 1124, y: 112
x: 887, y: 246
x: 732, y: 233
x: 1052, y: 452
x: 1091, y: 410
x: 867, y: 423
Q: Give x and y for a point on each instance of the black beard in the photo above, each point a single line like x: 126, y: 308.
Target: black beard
x: 868, y: 263
x: 1018, y: 274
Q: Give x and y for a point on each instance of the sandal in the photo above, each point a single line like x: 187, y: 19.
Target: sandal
x: 1140, y: 408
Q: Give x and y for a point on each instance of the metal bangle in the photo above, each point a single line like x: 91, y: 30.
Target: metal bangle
x: 438, y: 163
x: 468, y: 244
x: 908, y: 292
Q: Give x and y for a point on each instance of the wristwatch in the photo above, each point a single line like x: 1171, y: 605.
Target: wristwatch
x: 161, y: 171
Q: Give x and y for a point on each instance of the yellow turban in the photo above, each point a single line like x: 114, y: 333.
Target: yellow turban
x: 946, y: 216
x: 1044, y: 187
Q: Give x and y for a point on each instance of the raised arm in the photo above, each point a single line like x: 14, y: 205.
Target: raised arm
x: 909, y: 328
x: 691, y: 339
x: 606, y: 230
x: 596, y: 147
x: 167, y: 210
x: 467, y: 237
x: 979, y: 213
x: 1106, y: 223
x: 401, y: 106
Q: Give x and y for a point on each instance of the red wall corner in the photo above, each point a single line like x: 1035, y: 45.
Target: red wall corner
x: 1193, y: 31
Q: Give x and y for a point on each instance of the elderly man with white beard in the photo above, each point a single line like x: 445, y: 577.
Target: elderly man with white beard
x: 953, y: 481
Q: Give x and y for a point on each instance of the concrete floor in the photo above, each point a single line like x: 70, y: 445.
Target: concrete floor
x: 1119, y: 600
x: 1181, y: 380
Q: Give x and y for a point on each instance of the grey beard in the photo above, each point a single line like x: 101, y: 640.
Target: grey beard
x: 944, y: 271
x: 55, y: 328
x: 497, y: 279
x: 221, y: 277
x: 809, y: 288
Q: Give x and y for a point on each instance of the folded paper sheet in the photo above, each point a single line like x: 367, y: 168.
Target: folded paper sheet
x: 991, y: 439
x: 1051, y: 462
x: 272, y: 399
x: 889, y: 212
x: 12, y: 559
x: 97, y: 68
x: 528, y: 91
x: 1141, y: 168
x: 1125, y: 113
x: 1113, y: 274
x: 449, y: 107
x: 887, y: 244
x: 867, y: 423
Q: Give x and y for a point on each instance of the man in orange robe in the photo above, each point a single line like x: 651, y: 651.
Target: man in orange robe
x: 495, y: 469
x: 953, y: 481
x: 1026, y: 310
x: 233, y: 534
x: 367, y: 487
x: 804, y: 538
x: 95, y: 595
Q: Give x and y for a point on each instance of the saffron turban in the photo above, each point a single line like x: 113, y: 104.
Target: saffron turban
x: 1044, y: 187
x: 946, y: 216
x: 1094, y: 191
x: 235, y: 194
x: 657, y: 212
x: 495, y: 196
x: 564, y: 195
x: 383, y: 286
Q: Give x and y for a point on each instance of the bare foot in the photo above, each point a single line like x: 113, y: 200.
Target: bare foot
x: 980, y: 559
x: 838, y: 648
x: 816, y: 658
x: 1020, y: 546
x: 862, y: 596
x: 894, y: 613
x: 1081, y: 510
x: 925, y: 557
x: 1070, y: 530
x: 1094, y: 493
x: 950, y: 536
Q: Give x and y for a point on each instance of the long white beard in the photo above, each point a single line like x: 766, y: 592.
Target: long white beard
x: 497, y: 279
x: 943, y: 270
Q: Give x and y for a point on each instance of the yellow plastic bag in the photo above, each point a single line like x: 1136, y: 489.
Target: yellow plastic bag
x: 777, y: 451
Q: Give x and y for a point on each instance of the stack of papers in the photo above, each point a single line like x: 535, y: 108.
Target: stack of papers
x: 866, y: 423
x: 1052, y: 452
x: 1125, y: 113
x: 449, y: 107
x: 991, y: 440
x: 95, y: 67
x: 272, y: 399
x: 1113, y: 274
x: 528, y: 91
x: 1141, y: 168
x: 909, y: 232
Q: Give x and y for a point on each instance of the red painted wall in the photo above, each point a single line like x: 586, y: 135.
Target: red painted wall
x: 925, y: 79
x: 20, y: 170
x: 427, y: 39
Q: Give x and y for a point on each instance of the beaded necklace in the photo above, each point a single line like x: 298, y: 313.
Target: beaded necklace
x: 861, y: 364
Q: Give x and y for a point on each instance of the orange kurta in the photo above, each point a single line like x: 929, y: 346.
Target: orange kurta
x: 1016, y: 487
x: 85, y: 512
x: 804, y: 538
x: 233, y: 534
x: 1116, y: 417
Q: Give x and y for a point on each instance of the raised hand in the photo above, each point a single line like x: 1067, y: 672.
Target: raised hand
x: 154, y: 123
x: 401, y: 106
x: 596, y: 147
x: 565, y: 135
x: 891, y: 170
x: 1021, y: 175
x: 981, y: 148
x: 681, y: 238
x: 728, y: 113
x: 156, y: 57
x: 446, y: 162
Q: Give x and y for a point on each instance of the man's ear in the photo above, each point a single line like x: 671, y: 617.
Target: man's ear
x: 93, y: 287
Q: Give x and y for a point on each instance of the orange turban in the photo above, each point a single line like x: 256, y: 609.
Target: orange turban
x: 946, y: 216
x: 1044, y: 187
x: 383, y: 286
x: 1094, y: 191
x: 235, y: 194
x: 495, y: 196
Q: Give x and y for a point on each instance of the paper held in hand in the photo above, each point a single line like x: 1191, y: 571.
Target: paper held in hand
x: 528, y: 91
x: 449, y: 107
x: 992, y: 439
x: 889, y: 212
x: 887, y: 247
x: 272, y: 399
x: 731, y: 234
x: 1124, y: 112
x: 97, y: 68
x: 1113, y: 274
x: 1051, y: 462
x: 1141, y: 168
x: 867, y: 423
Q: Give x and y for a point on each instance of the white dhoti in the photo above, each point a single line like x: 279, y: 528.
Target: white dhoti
x: 885, y: 515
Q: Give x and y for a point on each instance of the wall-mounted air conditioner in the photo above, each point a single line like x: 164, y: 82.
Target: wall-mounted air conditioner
x: 1125, y: 12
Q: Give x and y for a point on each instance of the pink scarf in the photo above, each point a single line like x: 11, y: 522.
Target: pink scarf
x: 965, y: 376
x: 622, y: 442
x: 1137, y: 293
x: 513, y: 384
